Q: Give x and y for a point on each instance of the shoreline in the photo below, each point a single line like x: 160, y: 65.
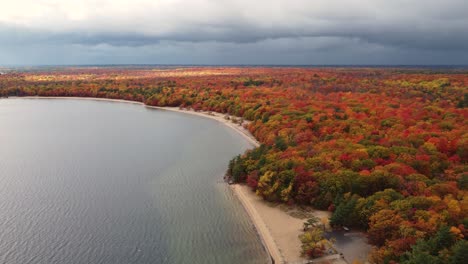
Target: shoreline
x: 212, y: 115
x: 265, y: 235
x: 262, y: 229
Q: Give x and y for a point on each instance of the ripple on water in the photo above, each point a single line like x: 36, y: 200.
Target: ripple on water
x: 93, y: 182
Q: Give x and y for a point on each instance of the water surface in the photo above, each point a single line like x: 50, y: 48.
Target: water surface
x: 104, y: 182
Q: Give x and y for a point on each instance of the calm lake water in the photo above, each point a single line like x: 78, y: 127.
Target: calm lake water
x: 104, y: 182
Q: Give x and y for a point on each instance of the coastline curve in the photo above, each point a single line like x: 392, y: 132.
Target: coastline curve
x: 261, y: 228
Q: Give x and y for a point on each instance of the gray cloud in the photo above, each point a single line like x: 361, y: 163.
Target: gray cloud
x: 330, y: 32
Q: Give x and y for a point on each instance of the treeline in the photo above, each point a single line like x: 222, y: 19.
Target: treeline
x: 385, y: 150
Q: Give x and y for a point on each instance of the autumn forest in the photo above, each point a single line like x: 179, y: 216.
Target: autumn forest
x: 384, y: 149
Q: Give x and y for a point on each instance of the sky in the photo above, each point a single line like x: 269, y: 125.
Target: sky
x: 227, y: 32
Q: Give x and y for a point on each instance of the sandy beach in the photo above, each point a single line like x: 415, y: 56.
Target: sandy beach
x: 279, y: 230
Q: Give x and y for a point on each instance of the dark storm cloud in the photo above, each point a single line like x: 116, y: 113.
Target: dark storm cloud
x: 301, y: 30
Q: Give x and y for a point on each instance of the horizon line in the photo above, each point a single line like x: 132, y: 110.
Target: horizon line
x: 233, y: 65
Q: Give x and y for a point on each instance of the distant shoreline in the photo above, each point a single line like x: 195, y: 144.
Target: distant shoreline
x: 212, y: 115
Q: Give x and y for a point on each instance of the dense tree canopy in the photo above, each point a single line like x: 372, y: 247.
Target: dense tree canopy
x: 385, y: 149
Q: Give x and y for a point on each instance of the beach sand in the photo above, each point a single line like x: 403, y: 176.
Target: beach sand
x: 279, y: 230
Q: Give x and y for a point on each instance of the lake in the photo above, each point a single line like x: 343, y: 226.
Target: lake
x: 84, y: 181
